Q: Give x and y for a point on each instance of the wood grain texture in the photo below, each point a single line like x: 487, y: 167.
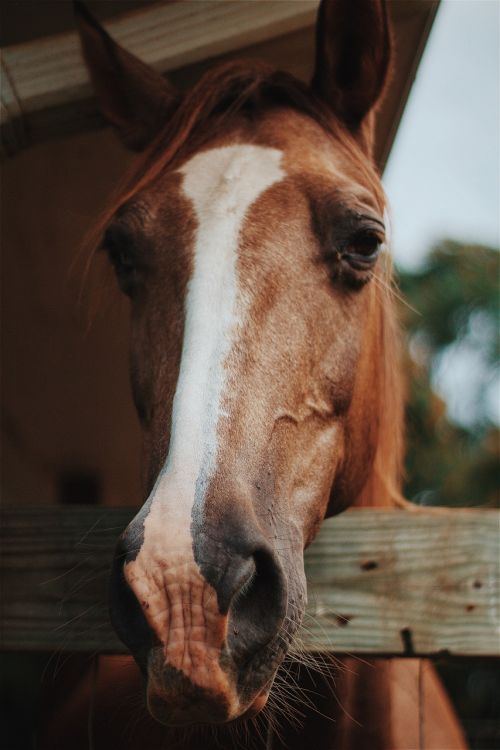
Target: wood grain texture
x: 46, y: 83
x: 397, y: 582
x: 45, y: 88
x: 380, y: 582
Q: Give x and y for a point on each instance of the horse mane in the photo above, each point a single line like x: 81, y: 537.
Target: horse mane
x: 246, y: 87
x: 383, y: 485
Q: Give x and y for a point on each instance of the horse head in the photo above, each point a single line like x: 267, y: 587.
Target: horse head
x: 250, y: 241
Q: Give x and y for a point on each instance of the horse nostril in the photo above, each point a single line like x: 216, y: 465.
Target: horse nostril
x: 236, y: 579
x: 257, y: 608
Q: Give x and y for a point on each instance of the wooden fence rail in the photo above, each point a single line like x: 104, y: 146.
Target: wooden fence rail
x: 380, y: 582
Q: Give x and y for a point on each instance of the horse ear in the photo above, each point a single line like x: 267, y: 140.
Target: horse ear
x: 134, y: 98
x: 352, y: 57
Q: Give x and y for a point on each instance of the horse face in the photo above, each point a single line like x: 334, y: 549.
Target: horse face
x: 248, y: 264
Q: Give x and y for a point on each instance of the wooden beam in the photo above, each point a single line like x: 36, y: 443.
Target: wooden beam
x: 411, y: 21
x: 45, y: 88
x: 380, y: 582
x: 45, y: 92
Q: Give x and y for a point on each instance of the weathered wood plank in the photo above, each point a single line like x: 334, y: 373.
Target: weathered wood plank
x: 45, y: 83
x: 45, y: 92
x: 380, y: 582
x: 396, y: 581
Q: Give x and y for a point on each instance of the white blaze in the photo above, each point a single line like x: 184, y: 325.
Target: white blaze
x: 222, y: 184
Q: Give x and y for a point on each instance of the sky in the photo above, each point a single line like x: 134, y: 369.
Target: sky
x: 443, y: 175
x: 442, y: 178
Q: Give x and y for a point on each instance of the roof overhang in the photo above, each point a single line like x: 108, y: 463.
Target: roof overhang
x: 46, y: 94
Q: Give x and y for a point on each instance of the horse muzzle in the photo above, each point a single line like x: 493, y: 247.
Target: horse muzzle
x: 206, y: 634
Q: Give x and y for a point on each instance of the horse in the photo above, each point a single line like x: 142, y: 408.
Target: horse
x: 250, y: 239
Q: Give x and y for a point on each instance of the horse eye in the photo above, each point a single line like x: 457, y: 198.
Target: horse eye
x: 123, y: 260
x: 120, y: 258
x: 362, y: 251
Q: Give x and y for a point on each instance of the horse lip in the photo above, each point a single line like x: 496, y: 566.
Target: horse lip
x: 258, y: 703
x: 174, y: 700
x: 190, y: 709
x: 189, y: 715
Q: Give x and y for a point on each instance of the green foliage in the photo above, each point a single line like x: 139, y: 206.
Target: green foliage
x: 453, y: 305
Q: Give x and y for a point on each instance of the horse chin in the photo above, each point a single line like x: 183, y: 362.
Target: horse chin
x: 180, y: 703
x: 211, y: 710
x: 257, y: 706
x: 178, y: 718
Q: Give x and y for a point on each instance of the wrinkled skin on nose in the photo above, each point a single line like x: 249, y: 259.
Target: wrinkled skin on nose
x: 204, y: 633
